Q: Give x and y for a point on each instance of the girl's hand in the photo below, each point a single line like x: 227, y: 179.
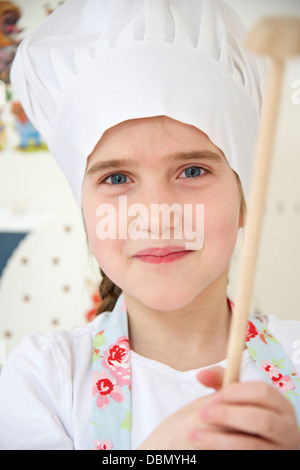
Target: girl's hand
x: 246, y: 416
x: 251, y: 415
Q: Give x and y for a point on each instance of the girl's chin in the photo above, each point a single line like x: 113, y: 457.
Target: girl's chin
x: 165, y: 301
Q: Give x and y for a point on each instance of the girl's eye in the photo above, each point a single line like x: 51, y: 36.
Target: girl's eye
x: 117, y: 178
x: 192, y: 172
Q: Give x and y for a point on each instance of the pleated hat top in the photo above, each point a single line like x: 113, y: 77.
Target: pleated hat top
x: 95, y: 63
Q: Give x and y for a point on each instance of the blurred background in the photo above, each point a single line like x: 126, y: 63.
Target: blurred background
x: 48, y: 280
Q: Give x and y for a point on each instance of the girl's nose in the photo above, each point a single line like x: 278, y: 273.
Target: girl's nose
x: 165, y: 219
x: 162, y: 214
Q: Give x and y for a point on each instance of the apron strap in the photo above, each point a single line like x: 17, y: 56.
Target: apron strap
x: 274, y: 365
x: 111, y: 403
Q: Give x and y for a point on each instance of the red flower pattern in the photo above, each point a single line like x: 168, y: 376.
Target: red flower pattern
x: 105, y: 388
x: 251, y: 332
x: 117, y: 361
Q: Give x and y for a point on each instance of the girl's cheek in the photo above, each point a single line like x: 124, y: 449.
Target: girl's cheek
x: 221, y: 225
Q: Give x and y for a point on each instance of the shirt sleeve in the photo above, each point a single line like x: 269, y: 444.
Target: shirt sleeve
x: 33, y: 397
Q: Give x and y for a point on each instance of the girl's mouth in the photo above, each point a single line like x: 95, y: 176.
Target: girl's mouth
x: 162, y: 255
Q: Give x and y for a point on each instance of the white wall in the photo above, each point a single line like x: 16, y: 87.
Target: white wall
x: 34, y: 196
x: 278, y: 272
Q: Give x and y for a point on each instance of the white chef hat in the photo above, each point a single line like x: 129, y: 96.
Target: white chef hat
x: 95, y: 63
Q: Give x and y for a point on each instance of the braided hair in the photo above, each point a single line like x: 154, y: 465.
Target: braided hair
x: 109, y: 293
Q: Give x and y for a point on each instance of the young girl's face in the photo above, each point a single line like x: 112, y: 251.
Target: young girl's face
x: 161, y: 161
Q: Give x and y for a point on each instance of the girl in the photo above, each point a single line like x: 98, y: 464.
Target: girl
x: 152, y: 103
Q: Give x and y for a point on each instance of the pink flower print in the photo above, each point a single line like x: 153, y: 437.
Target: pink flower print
x: 105, y: 445
x: 105, y: 388
x: 271, y: 371
x: 285, y: 384
x: 117, y: 361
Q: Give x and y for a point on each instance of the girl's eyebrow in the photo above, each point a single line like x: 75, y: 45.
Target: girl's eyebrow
x: 106, y: 165
x: 200, y: 155
x: 182, y: 156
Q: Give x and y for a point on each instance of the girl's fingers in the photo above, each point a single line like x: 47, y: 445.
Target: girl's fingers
x: 246, y: 419
x: 252, y: 393
x: 252, y: 411
x: 208, y: 439
x: 211, y: 378
x: 255, y: 394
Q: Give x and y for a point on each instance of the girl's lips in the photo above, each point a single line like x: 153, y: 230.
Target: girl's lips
x: 162, y: 255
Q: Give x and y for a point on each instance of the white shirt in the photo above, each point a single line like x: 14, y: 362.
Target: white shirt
x: 46, y: 388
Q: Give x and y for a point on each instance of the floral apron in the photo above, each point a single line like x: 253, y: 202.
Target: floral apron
x: 111, y: 405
